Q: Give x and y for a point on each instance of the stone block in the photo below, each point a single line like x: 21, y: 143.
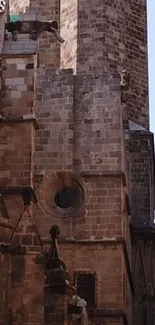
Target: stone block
x: 15, y: 94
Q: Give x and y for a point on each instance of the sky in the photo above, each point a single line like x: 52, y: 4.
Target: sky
x: 151, y: 50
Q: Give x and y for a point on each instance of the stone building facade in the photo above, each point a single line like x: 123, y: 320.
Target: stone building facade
x: 76, y: 151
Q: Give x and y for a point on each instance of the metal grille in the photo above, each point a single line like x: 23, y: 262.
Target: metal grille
x: 86, y: 285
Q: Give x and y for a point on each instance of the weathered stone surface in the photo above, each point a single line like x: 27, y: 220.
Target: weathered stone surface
x: 16, y: 7
x: 61, y: 125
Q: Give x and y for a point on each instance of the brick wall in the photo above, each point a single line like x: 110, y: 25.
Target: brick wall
x: 101, y: 217
x: 142, y: 177
x: 137, y: 61
x: 100, y: 39
x: 4, y: 276
x: 97, y: 123
x: 65, y: 131
x: 27, y: 282
x: 54, y: 111
x: 17, y: 86
x: 16, y: 135
x: 26, y: 275
x: 80, y: 130
x: 15, y: 143
x: 94, y: 258
x: 54, y: 138
x: 97, y: 134
x: 49, y: 47
x: 109, y: 37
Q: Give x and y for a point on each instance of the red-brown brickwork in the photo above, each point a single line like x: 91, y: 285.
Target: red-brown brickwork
x: 4, y: 276
x: 17, y: 86
x: 16, y: 139
x: 102, y: 216
x: 28, y: 282
x: 49, y: 47
x: 15, y: 143
x: 94, y: 258
x: 54, y: 111
x: 76, y: 162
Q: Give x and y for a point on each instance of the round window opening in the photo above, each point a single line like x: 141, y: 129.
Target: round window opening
x: 63, y: 194
x: 64, y: 198
x: 69, y: 197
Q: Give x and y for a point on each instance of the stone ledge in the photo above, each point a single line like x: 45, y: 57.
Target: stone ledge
x: 109, y: 313
x: 92, y: 240
x: 12, y: 249
x: 22, y: 46
x: 17, y: 55
x: 20, y: 119
x: 105, y: 173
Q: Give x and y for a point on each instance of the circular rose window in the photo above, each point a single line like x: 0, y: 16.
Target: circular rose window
x: 62, y: 193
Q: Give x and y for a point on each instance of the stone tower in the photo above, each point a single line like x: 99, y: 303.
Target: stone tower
x: 75, y: 139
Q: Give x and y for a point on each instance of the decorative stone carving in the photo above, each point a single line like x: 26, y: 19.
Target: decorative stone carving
x: 125, y: 79
x: 77, y: 301
x: 125, y: 86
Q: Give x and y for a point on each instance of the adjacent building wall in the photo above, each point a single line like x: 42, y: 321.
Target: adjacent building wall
x: 137, y: 61
x: 17, y: 6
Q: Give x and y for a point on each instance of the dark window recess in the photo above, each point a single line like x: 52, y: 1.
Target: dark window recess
x: 68, y: 197
x: 30, y: 66
x: 65, y: 198
x: 85, y: 284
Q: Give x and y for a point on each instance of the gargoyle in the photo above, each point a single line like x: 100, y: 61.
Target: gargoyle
x: 34, y: 28
x: 125, y: 79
